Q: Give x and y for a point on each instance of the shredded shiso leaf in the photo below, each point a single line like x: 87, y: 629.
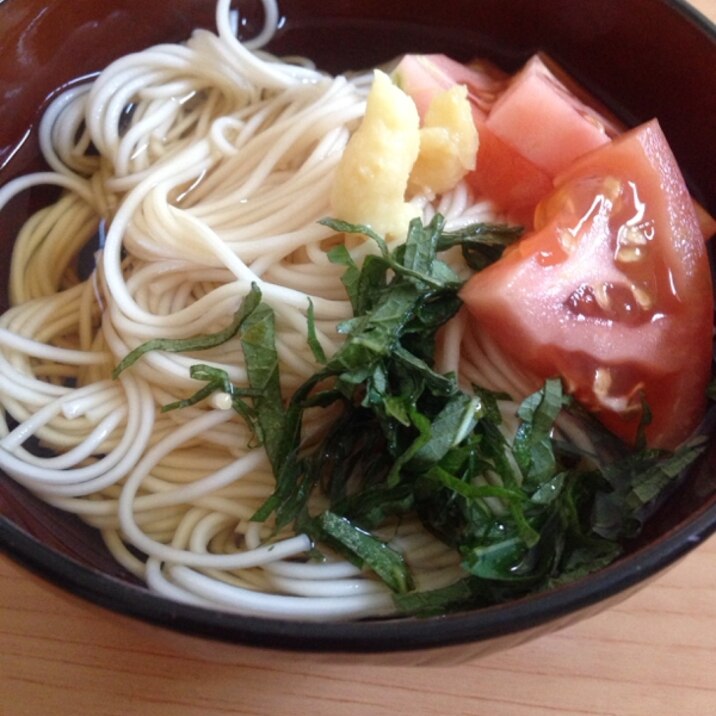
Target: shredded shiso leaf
x: 409, y: 440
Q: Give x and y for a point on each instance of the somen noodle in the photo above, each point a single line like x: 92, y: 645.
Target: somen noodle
x: 233, y: 349
x: 194, y: 170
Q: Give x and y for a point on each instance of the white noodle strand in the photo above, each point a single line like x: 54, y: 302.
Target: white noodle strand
x: 190, y: 172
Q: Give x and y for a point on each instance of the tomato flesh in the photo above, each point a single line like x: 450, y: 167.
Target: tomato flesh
x: 423, y: 76
x: 514, y: 183
x: 612, y: 291
x: 502, y: 174
x: 543, y: 121
x: 530, y: 126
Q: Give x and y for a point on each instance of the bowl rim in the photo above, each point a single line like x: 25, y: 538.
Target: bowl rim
x: 378, y: 635
x: 370, y: 636
x: 691, y: 10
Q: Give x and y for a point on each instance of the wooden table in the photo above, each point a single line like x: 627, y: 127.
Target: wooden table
x: 653, y: 655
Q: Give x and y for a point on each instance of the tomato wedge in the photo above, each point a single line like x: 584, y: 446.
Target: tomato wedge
x: 545, y: 122
x: 531, y: 126
x: 423, y: 76
x: 612, y: 291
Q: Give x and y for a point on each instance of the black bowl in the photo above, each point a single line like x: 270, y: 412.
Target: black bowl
x: 643, y: 58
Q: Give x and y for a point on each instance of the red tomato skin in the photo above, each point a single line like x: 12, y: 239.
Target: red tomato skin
x: 535, y: 303
x: 543, y: 121
x: 511, y: 169
x: 502, y: 174
x: 706, y: 221
x: 514, y: 183
x: 423, y: 76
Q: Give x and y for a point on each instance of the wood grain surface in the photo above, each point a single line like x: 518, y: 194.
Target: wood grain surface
x: 653, y: 655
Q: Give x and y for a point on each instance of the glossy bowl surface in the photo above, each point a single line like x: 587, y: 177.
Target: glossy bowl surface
x: 643, y: 58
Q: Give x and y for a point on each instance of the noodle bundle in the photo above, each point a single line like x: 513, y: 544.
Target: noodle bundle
x: 194, y: 171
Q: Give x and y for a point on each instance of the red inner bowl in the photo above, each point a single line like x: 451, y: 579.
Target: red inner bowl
x: 643, y: 58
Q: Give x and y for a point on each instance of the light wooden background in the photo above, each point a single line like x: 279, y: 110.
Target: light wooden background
x: 653, y: 655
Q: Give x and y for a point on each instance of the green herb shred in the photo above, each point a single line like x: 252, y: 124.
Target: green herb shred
x: 409, y: 440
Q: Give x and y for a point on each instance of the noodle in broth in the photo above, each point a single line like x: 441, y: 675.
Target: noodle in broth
x: 211, y: 164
